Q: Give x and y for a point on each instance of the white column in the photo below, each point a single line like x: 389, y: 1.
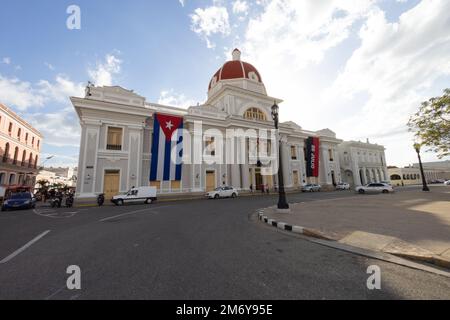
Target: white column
x: 285, y: 162
x: 235, y: 176
x: 324, y: 165
x: 364, y: 172
x: 245, y: 177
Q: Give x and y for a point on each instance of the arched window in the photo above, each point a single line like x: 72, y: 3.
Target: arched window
x: 30, y: 160
x: 396, y: 177
x: 255, y: 114
x: 12, y: 179
x: 24, y: 157
x: 16, y: 154
x: 6, y: 153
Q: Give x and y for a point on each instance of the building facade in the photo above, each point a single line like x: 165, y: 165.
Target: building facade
x: 64, y: 176
x: 433, y: 171
x: 122, y: 140
x: 20, y: 146
x: 362, y: 163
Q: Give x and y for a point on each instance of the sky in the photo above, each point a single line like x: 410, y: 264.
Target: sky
x: 358, y: 67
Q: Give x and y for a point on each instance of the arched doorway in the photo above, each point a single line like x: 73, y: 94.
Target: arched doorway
x: 348, y: 177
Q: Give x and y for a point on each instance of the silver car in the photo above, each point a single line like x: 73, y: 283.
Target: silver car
x: 375, y: 188
x: 310, y: 187
x: 343, y: 186
x: 222, y: 192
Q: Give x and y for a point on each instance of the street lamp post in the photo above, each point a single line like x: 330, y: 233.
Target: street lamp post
x: 41, y: 167
x: 424, y: 181
x: 282, y: 203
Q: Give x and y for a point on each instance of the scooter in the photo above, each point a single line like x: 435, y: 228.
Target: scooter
x: 101, y: 199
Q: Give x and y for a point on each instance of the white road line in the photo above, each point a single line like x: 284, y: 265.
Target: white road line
x: 15, y: 253
x: 133, y: 212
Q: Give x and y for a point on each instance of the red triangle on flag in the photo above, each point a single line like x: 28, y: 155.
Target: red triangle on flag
x: 169, y: 124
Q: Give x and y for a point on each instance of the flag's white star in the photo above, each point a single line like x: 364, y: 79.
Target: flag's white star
x: 169, y: 125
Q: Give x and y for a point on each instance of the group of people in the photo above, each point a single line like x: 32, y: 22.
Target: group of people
x: 264, y: 188
x: 54, y: 193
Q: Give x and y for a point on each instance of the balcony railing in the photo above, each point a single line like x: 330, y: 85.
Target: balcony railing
x: 15, y: 162
x: 115, y: 147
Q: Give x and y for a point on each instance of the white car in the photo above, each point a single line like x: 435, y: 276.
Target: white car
x: 136, y: 195
x: 343, y: 186
x: 374, y: 188
x: 447, y: 183
x: 222, y: 192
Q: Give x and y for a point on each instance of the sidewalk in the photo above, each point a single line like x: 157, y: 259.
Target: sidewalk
x: 411, y: 224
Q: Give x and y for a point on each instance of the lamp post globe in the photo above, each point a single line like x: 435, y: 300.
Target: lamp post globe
x: 282, y: 202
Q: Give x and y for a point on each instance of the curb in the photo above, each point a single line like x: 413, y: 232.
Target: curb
x: 292, y: 228
x: 436, y: 260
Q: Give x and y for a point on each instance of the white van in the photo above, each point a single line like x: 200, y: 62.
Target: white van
x: 136, y: 195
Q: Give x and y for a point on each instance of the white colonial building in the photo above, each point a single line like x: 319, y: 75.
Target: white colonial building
x: 123, y: 144
x: 362, y: 163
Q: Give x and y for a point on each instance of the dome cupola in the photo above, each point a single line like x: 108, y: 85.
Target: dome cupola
x: 236, y: 70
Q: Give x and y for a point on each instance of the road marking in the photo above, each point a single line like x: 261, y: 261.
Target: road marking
x: 15, y: 253
x: 132, y: 212
x: 50, y: 213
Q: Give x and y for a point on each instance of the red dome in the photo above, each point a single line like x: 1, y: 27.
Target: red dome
x: 236, y: 69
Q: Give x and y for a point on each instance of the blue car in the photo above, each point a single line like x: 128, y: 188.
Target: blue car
x: 20, y: 200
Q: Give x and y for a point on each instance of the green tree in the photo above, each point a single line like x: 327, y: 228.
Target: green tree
x: 43, y: 185
x: 431, y: 124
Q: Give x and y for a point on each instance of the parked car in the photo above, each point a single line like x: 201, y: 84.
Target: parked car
x: 310, y: 187
x: 136, y: 195
x: 222, y: 192
x: 374, y: 188
x: 343, y: 186
x: 19, y: 200
x: 447, y: 183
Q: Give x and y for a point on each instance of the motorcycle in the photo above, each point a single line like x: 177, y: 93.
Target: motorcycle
x: 55, y: 202
x: 101, y: 199
x: 69, y: 201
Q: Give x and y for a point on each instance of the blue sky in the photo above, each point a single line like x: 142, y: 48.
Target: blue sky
x: 358, y: 67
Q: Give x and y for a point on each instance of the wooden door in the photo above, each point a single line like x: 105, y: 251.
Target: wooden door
x: 258, y: 179
x: 111, y: 184
x: 295, y: 174
x: 210, y: 181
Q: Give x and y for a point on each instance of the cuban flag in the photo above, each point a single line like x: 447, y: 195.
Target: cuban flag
x: 165, y: 164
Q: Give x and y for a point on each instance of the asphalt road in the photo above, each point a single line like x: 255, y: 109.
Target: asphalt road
x: 198, y: 249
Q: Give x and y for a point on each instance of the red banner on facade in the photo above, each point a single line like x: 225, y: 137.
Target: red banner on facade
x: 312, y: 157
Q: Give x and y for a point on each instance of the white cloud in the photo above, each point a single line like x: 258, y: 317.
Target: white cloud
x: 240, y: 7
x: 23, y: 95
x: 102, y: 74
x: 6, y: 60
x: 181, y: 2
x: 60, y: 128
x: 303, y: 50
x: 170, y: 98
x: 14, y: 92
x: 397, y: 66
x: 210, y: 21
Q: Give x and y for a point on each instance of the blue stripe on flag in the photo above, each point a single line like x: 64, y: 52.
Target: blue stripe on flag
x: 167, y: 160
x: 155, y: 149
x: 179, y: 153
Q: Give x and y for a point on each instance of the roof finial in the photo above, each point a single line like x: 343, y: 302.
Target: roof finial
x: 236, y: 55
